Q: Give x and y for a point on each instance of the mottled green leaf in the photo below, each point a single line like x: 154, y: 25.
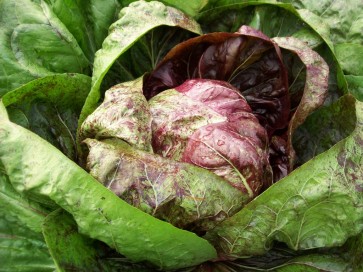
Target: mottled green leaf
x: 278, y: 20
x: 345, y: 19
x: 353, y: 251
x: 315, y: 263
x: 350, y: 57
x: 355, y: 84
x: 228, y: 16
x: 50, y: 107
x: 318, y: 205
x: 28, y: 213
x: 70, y: 250
x: 87, y: 20
x: 273, y: 18
x: 191, y: 8
x: 283, y: 262
x: 41, y: 170
x: 135, y: 21
x: 35, y: 43
x: 22, y: 247
x: 324, y: 128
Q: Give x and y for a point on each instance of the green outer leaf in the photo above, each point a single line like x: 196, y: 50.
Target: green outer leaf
x: 135, y: 20
x: 50, y: 107
x: 87, y: 20
x: 315, y: 263
x: 355, y: 84
x: 324, y: 128
x: 21, y: 58
x: 21, y: 244
x: 345, y: 18
x: 69, y: 249
x: 22, y: 249
x: 304, y: 13
x: 312, y: 20
x: 320, y: 204
x: 353, y: 251
x: 350, y: 57
x: 36, y: 167
x: 63, y: 90
x: 272, y: 19
x: 28, y: 213
x: 191, y: 8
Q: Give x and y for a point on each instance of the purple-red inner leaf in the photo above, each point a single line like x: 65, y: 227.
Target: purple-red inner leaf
x: 208, y: 123
x: 249, y: 61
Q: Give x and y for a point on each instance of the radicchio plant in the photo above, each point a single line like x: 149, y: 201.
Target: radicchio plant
x: 202, y: 134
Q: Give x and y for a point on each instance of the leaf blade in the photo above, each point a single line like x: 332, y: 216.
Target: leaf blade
x: 135, y: 21
x: 98, y: 212
x: 301, y: 210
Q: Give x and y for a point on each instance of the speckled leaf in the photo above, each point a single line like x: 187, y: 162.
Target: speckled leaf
x: 316, y: 83
x: 135, y: 21
x: 70, y: 250
x: 345, y: 23
x: 41, y: 170
x: 209, y: 124
x: 124, y: 114
x: 248, y: 60
x: 184, y: 195
x: 175, y: 118
x: 50, y: 107
x: 320, y: 204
